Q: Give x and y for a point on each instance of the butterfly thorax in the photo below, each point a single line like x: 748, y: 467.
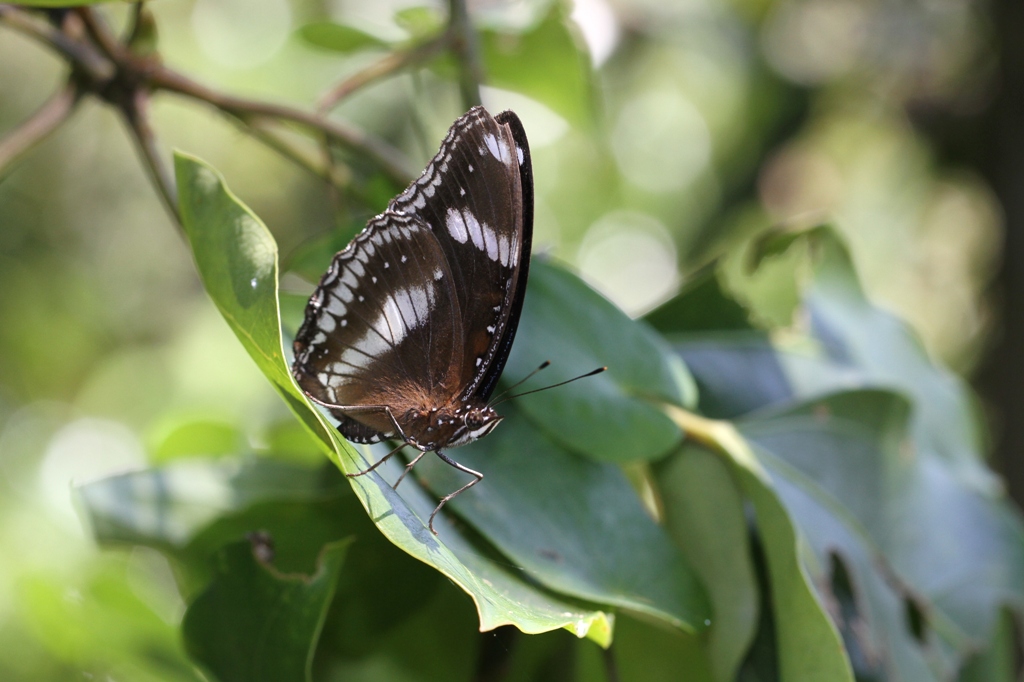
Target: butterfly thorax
x: 449, y: 426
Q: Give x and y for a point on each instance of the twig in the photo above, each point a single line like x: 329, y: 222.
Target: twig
x: 392, y: 63
x: 384, y: 155
x: 465, y: 44
x: 81, y: 55
x: 101, y: 33
x: 334, y: 176
x: 136, y: 113
x: 138, y: 21
x: 611, y: 668
x: 44, y: 121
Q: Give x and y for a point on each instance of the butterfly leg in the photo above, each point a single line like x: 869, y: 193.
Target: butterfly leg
x: 378, y: 463
x: 356, y: 409
x: 452, y: 462
x: 408, y: 468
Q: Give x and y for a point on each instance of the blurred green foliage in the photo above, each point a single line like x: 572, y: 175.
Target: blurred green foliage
x: 837, y: 522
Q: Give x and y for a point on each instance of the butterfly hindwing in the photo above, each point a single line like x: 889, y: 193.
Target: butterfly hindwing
x: 382, y: 328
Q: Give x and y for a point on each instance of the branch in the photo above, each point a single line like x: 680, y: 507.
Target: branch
x: 466, y: 46
x: 44, y: 121
x: 80, y: 54
x: 384, y: 155
x: 392, y: 63
x: 334, y: 176
x: 101, y: 33
x: 136, y: 114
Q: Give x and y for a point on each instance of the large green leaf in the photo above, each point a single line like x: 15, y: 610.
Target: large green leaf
x: 855, y: 332
x: 191, y: 509
x: 907, y: 527
x: 237, y: 259
x: 572, y: 524
x: 614, y: 416
x: 941, y: 500
x: 703, y: 510
x: 904, y: 488
x: 166, y: 507
x: 254, y: 623
x: 809, y: 646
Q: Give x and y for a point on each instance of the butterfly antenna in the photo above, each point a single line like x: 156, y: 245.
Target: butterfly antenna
x: 560, y: 383
x: 520, y: 382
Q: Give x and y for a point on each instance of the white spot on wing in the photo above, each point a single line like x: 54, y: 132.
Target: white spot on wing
x: 337, y: 308
x: 490, y: 241
x: 503, y: 250
x: 456, y: 225
x: 498, y: 147
x: 473, y: 227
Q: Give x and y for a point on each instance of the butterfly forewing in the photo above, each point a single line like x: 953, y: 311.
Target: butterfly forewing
x: 383, y: 328
x: 477, y: 195
x: 418, y: 314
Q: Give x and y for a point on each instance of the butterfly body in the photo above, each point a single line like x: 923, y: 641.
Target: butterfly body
x: 409, y: 329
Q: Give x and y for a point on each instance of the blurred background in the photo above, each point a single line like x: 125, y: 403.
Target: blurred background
x: 661, y: 133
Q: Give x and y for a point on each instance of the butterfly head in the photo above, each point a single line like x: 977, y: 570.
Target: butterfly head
x: 473, y: 423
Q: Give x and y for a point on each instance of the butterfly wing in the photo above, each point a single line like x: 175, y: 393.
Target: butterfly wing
x: 477, y: 197
x: 382, y: 328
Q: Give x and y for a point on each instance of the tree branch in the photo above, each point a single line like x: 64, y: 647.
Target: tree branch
x: 101, y: 34
x: 384, y: 155
x: 336, y: 177
x: 466, y: 46
x: 392, y: 63
x: 79, y: 54
x: 44, y: 121
x: 136, y: 114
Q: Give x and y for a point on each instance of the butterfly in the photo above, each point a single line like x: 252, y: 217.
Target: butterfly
x: 410, y: 327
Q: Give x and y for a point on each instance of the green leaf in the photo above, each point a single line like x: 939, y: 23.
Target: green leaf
x: 614, y: 416
x: 166, y: 507
x: 889, y: 354
x: 809, y: 646
x: 62, y: 3
x: 576, y: 526
x: 237, y: 259
x: 703, y: 511
x: 420, y: 22
x: 254, y: 623
x: 997, y: 662
x: 191, y: 435
x: 901, y: 520
x: 937, y: 497
x: 545, y: 62
x: 339, y: 37
x: 703, y: 305
x: 652, y: 654
x: 190, y: 510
